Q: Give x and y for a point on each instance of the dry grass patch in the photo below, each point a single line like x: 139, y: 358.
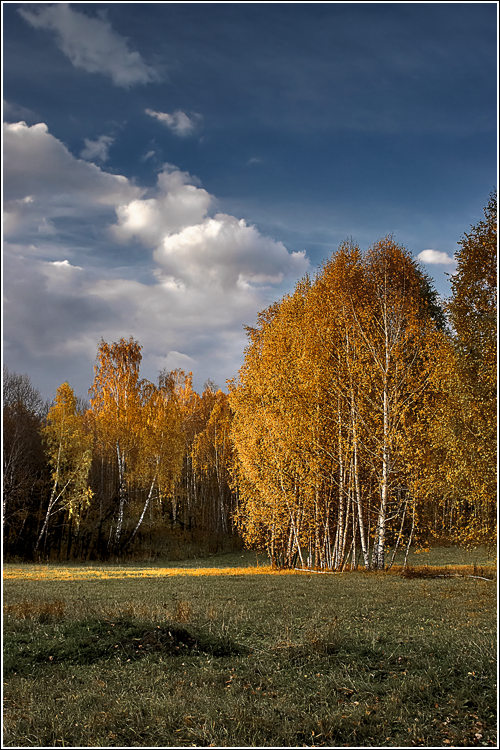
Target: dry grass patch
x: 29, y: 609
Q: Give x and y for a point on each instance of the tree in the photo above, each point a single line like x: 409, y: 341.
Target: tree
x: 212, y: 459
x: 467, y: 429
x: 24, y: 463
x: 69, y: 451
x: 160, y: 441
x: 115, y: 405
x: 326, y: 406
x: 268, y: 433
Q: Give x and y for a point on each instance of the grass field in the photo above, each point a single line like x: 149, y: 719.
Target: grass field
x: 209, y: 653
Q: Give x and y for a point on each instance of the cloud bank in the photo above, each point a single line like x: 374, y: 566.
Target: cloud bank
x: 44, y: 182
x: 170, y: 271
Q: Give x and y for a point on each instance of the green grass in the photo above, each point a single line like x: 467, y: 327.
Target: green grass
x: 307, y: 660
x: 448, y: 556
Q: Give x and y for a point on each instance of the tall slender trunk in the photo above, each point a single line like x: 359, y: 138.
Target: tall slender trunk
x: 354, y: 550
x: 340, y: 521
x: 342, y: 555
x: 296, y: 535
x: 378, y: 551
x: 146, y: 504
x: 122, y: 495
x: 410, y: 538
x: 398, y: 540
x: 357, y: 490
x: 52, y: 500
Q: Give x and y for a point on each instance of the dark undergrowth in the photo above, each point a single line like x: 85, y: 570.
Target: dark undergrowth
x: 449, y: 571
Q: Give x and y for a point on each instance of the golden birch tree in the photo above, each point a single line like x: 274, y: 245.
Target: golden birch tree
x: 69, y: 450
x: 467, y: 429
x: 116, y: 410
x: 158, y: 459
x: 325, y: 409
x: 212, y: 454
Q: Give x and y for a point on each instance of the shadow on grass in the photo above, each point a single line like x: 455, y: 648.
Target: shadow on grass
x: 86, y: 642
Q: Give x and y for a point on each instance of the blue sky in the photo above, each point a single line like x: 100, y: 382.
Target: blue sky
x: 172, y: 168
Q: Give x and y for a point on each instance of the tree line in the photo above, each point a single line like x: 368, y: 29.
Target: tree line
x: 142, y: 468
x: 362, y: 420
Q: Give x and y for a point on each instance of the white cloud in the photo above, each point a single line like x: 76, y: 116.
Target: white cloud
x: 56, y: 313
x: 60, y: 276
x: 65, y: 264
x: 91, y: 44
x: 37, y: 164
x: 173, y: 360
x: 178, y: 122
x: 193, y: 249
x: 45, y: 307
x: 179, y: 204
x: 98, y: 149
x: 436, y: 257
x: 44, y: 181
x: 186, y: 300
x: 226, y: 252
x: 213, y: 275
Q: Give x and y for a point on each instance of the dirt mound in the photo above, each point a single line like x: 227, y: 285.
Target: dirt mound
x: 86, y: 642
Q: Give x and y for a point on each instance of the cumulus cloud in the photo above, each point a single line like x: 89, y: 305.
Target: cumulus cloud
x: 36, y: 164
x: 226, y: 252
x: 214, y: 273
x: 43, y: 181
x: 91, y: 43
x: 193, y: 249
x: 173, y: 273
x: 98, y: 149
x: 179, y: 203
x: 436, y: 257
x: 46, y: 307
x: 178, y: 122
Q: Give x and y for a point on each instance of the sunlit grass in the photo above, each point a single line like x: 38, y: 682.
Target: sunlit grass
x: 61, y: 573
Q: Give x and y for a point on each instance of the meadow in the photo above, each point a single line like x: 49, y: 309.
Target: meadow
x: 225, y: 652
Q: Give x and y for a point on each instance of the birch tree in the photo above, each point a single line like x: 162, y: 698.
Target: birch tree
x: 158, y: 461
x: 115, y: 406
x: 69, y: 450
x: 325, y: 407
x: 466, y: 434
x: 212, y: 457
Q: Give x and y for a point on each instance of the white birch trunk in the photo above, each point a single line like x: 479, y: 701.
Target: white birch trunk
x: 121, y: 495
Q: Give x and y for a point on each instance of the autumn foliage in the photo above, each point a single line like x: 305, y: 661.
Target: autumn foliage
x: 362, y: 420
x: 330, y: 405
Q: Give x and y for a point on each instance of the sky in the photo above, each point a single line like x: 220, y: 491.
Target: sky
x: 170, y: 169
